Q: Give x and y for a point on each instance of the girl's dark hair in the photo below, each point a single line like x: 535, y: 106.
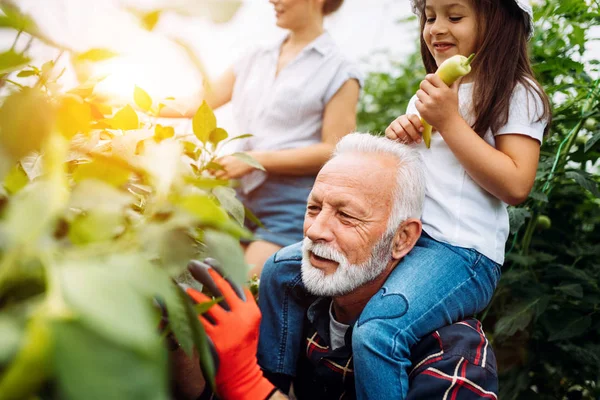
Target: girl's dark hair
x: 331, y: 6
x: 502, y: 62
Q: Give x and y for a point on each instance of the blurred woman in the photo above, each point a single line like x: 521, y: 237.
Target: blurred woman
x: 297, y: 97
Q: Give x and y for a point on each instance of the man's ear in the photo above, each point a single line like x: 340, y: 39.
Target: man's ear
x: 406, y: 237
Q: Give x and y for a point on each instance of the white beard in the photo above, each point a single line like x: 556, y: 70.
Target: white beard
x: 346, y: 277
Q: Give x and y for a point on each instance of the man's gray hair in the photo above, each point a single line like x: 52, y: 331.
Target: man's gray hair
x: 409, y: 192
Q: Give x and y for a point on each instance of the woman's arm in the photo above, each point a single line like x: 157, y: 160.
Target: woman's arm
x: 220, y: 93
x: 506, y: 171
x: 339, y: 119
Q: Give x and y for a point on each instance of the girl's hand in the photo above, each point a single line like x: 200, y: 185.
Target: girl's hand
x: 234, y: 168
x: 437, y: 103
x: 405, y: 129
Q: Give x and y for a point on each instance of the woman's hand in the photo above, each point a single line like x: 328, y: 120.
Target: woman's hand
x: 437, y: 102
x: 233, y: 168
x: 405, y: 129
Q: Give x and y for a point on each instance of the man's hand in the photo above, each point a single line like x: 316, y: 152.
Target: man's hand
x: 232, y: 326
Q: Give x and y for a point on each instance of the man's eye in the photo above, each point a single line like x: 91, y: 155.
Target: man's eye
x: 344, y: 215
x: 313, y: 208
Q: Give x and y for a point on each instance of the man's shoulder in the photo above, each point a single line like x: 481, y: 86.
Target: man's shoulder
x: 455, y: 353
x: 291, y: 253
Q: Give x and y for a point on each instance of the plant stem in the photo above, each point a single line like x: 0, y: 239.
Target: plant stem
x: 16, y: 40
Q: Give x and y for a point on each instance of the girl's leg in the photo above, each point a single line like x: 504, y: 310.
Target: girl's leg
x: 434, y: 285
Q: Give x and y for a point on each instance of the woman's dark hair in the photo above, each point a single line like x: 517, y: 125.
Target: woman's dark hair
x: 502, y: 62
x: 331, y: 6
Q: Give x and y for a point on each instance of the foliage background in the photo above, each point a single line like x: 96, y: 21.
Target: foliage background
x: 545, y: 316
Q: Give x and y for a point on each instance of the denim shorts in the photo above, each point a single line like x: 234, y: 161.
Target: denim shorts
x: 280, y: 204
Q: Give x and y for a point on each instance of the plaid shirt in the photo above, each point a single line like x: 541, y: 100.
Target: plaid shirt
x: 454, y: 363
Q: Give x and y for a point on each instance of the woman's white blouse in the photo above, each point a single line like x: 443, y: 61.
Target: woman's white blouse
x: 286, y: 111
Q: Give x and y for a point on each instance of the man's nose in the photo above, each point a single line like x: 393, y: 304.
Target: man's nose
x: 320, y: 227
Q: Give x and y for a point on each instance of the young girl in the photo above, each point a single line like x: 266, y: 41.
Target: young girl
x: 484, y: 155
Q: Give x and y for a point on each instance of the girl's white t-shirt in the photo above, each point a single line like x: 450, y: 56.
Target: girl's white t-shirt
x: 457, y: 210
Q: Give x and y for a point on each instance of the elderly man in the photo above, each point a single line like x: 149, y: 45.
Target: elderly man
x: 362, y: 218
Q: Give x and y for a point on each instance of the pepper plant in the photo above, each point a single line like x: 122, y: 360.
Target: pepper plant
x: 545, y: 316
x: 100, y: 211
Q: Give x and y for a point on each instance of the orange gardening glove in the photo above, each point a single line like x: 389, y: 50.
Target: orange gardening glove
x: 232, y: 326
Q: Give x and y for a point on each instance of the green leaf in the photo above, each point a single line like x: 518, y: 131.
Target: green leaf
x: 591, y: 142
x: 142, y: 99
x: 248, y: 159
x: 217, y: 136
x: 539, y: 196
x: 200, y: 340
x: 205, y: 209
x: 253, y: 218
x: 31, y: 213
x: 95, y: 226
x: 573, y: 328
x: 178, y: 319
x: 10, y: 333
x: 517, y: 318
x: 244, y: 136
x: 585, y: 181
x: 92, y: 194
x: 96, y: 55
x: 27, y: 73
x: 204, y: 122
x: 229, y: 201
x: 88, y: 366
x: 201, y: 308
x: 227, y: 250
x: 517, y: 217
x: 15, y: 180
x: 11, y: 60
x: 574, y: 290
x: 14, y: 19
x: 110, y: 305
x: 126, y: 119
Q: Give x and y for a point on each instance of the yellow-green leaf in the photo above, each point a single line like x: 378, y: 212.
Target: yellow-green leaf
x: 11, y: 60
x: 26, y: 119
x: 102, y: 170
x: 217, y: 136
x: 150, y: 19
x: 205, y: 209
x: 142, y: 99
x: 16, y: 179
x: 13, y: 18
x: 126, y: 118
x: 204, y: 122
x: 74, y: 116
x: 95, y: 226
x: 95, y: 55
x: 248, y: 159
x: 163, y: 132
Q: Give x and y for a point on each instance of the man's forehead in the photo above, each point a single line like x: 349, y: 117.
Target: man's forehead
x: 354, y: 178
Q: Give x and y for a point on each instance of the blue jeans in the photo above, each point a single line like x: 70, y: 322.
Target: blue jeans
x: 434, y: 285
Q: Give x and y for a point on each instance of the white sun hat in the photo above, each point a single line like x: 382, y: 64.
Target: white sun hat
x: 525, y: 5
